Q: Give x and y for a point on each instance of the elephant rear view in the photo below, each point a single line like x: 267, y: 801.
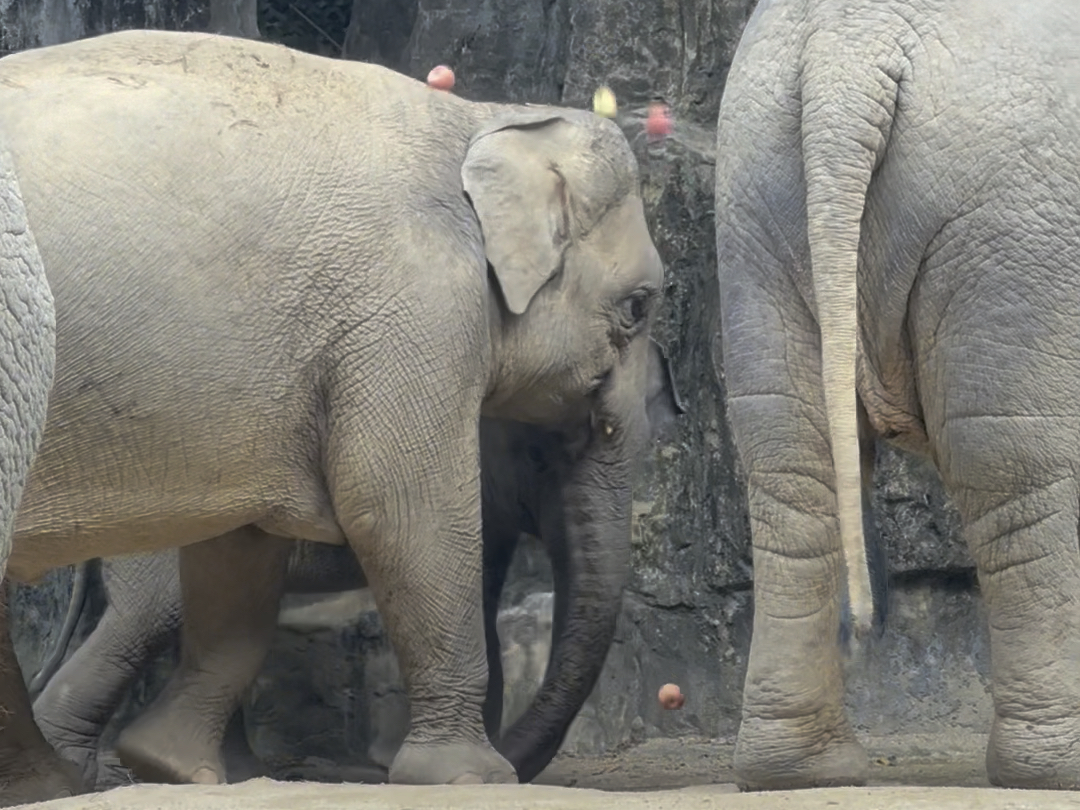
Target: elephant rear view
x: 287, y: 289
x: 898, y: 234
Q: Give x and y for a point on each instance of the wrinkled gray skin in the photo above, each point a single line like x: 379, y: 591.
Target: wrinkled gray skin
x: 899, y: 245
x: 287, y: 287
x: 522, y: 467
x: 27, y: 362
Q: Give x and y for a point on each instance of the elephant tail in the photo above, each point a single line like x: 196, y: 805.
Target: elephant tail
x: 848, y: 106
x: 56, y: 656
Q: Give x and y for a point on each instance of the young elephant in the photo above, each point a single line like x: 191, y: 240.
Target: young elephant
x: 522, y: 468
x: 287, y: 287
x: 899, y: 245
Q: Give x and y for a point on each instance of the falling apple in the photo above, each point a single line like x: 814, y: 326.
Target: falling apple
x: 671, y: 696
x: 658, y: 123
x: 603, y: 102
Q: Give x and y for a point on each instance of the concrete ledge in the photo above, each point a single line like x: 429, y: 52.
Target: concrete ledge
x: 265, y: 794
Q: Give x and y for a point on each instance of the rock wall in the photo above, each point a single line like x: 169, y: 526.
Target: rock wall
x: 33, y: 23
x: 687, y: 612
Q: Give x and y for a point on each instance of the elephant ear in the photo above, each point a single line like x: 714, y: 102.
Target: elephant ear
x: 521, y: 200
x: 662, y: 401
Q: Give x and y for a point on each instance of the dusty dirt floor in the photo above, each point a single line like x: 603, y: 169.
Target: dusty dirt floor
x: 909, y: 772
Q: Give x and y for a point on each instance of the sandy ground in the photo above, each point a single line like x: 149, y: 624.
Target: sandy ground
x: 265, y: 794
x: 909, y: 772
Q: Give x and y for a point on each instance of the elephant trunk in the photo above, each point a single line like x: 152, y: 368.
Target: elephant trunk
x: 588, y: 539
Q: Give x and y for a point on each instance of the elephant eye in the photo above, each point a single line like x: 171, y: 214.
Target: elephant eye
x: 634, y: 309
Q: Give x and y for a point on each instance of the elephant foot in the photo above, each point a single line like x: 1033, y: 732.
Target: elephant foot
x: 777, y: 755
x: 242, y: 765
x: 1022, y: 754
x: 76, y: 749
x: 39, y: 777
x: 450, y: 764
x: 157, y: 751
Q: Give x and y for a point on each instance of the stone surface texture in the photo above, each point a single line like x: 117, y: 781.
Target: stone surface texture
x: 330, y: 686
x: 263, y: 794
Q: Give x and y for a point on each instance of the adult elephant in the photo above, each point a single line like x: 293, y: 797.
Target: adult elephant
x: 899, y: 248
x: 523, y: 469
x: 27, y: 365
x: 287, y: 288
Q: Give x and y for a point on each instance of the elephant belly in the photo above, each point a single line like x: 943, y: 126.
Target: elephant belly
x: 34, y: 555
x: 62, y: 526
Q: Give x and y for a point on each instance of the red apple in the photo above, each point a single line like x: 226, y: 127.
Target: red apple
x: 671, y: 696
x: 441, y: 78
x: 658, y: 123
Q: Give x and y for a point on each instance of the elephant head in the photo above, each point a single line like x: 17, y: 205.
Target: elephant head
x: 575, y: 274
x: 576, y: 279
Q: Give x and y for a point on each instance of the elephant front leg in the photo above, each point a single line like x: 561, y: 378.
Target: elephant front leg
x: 30, y: 771
x: 241, y: 764
x: 418, y: 540
x: 231, y: 588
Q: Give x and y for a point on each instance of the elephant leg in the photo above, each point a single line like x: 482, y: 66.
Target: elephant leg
x: 500, y: 543
x: 1015, y: 484
x: 30, y: 770
x: 231, y: 588
x: 1025, y: 549
x: 241, y: 763
x: 141, y: 615
x: 794, y: 731
x: 417, y: 535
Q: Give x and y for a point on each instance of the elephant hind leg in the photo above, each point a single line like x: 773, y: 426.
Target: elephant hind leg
x: 141, y: 617
x: 1021, y: 529
x: 30, y: 770
x: 794, y: 731
x: 1005, y: 432
x: 1029, y: 574
x: 231, y: 587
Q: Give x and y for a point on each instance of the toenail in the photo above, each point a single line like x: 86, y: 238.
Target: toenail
x: 205, y: 776
x: 468, y: 779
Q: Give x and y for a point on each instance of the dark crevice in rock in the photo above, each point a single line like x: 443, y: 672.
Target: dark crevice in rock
x: 732, y: 588
x: 952, y: 579
x: 379, y: 31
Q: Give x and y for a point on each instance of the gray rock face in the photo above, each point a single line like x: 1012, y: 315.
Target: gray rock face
x: 33, y: 23
x: 561, y: 50
x: 38, y: 612
x: 330, y: 687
